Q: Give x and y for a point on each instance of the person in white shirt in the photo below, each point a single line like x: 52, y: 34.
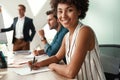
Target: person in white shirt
x: 22, y: 26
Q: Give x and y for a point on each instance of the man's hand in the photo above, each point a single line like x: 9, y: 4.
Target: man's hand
x: 38, y: 52
x: 41, y: 33
x: 35, y: 52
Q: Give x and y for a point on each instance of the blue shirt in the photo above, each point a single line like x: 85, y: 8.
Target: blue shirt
x: 52, y: 49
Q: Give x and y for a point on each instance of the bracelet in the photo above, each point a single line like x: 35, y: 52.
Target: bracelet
x: 43, y: 38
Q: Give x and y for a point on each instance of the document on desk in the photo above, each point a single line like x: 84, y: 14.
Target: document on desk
x: 40, y: 57
x: 2, y: 73
x: 27, y: 70
x: 31, y: 56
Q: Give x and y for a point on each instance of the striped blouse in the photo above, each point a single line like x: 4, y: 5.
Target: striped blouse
x: 91, y: 68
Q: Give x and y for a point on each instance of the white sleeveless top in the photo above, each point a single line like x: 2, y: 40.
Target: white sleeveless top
x: 91, y: 68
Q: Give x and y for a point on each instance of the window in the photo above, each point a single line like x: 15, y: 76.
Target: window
x: 7, y: 22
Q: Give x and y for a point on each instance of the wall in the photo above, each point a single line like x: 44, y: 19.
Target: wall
x: 104, y: 17
x: 40, y: 20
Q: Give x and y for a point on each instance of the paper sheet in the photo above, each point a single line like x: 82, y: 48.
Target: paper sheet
x: 19, y: 62
x: 15, y: 66
x: 31, y: 56
x: 2, y: 73
x: 26, y: 70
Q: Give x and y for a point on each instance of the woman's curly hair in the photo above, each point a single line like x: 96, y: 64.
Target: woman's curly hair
x: 81, y: 5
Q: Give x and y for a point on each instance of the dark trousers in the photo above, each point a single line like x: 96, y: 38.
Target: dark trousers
x: 20, y: 44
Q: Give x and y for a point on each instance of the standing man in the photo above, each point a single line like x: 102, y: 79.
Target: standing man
x: 22, y: 26
x: 51, y: 49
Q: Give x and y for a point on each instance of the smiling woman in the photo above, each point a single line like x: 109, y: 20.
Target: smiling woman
x: 79, y: 46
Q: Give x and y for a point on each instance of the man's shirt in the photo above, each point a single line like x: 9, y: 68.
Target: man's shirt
x: 52, y: 49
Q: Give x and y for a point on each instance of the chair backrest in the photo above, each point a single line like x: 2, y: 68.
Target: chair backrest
x: 110, y: 57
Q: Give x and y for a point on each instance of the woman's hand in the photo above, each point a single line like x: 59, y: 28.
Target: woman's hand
x: 33, y: 66
x: 51, y: 66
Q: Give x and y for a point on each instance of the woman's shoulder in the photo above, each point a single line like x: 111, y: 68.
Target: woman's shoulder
x: 86, y: 32
x: 86, y: 28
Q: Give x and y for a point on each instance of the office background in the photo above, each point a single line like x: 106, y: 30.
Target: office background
x: 103, y: 16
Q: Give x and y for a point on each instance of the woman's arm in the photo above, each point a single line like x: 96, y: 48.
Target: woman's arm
x: 53, y: 59
x: 83, y: 43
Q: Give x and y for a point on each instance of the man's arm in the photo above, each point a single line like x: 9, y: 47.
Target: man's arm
x: 6, y: 29
x: 9, y: 28
x: 47, y: 45
x: 49, y: 49
x: 52, y: 49
x: 33, y: 31
x: 42, y: 36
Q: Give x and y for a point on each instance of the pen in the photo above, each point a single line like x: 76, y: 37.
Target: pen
x: 33, y: 62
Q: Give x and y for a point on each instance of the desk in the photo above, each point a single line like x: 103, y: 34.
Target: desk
x: 49, y: 75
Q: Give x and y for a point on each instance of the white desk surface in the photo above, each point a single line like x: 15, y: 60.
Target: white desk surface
x: 49, y: 75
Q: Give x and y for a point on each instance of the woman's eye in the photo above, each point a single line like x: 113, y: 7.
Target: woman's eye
x: 59, y: 12
x: 70, y: 10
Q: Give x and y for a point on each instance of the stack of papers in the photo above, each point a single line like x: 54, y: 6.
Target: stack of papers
x: 21, y: 67
x: 18, y: 63
x: 22, y: 52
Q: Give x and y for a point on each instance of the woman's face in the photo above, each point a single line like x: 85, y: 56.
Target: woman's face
x: 67, y: 15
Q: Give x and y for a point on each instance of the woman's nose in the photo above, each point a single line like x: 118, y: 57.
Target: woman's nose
x: 64, y: 14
